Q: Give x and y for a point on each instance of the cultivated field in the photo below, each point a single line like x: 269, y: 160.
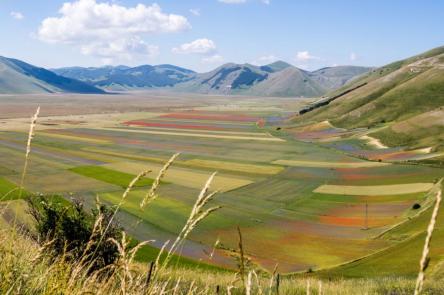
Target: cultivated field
x: 296, y: 193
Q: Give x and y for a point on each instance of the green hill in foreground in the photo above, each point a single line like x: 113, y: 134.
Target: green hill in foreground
x: 407, y: 96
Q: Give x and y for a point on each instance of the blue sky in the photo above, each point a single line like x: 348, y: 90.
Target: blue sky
x: 201, y: 35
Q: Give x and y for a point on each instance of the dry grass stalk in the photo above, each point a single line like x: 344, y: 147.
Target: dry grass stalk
x: 198, y: 213
x: 151, y: 195
x: 272, y: 279
x: 126, y: 258
x: 42, y: 251
x: 425, y: 253
x: 248, y: 284
x: 133, y: 183
x: 214, y: 248
x: 242, y: 267
x: 28, y: 148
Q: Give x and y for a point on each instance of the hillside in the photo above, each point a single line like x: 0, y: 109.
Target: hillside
x: 406, y: 96
x: 123, y: 77
x: 19, y: 77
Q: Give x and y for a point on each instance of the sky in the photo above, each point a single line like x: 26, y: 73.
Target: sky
x: 203, y: 34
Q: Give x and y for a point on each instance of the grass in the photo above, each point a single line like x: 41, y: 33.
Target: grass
x: 9, y: 190
x: 110, y: 176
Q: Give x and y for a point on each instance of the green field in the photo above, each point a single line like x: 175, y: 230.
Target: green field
x: 110, y: 176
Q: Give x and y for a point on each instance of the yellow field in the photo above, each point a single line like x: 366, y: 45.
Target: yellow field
x: 319, y: 164
x: 261, y: 134
x: 194, y: 134
x: 125, y: 155
x: 76, y: 137
x: 247, y: 168
x: 182, y: 176
x: 376, y: 190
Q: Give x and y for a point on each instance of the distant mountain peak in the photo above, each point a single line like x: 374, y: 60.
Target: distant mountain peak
x: 276, y: 66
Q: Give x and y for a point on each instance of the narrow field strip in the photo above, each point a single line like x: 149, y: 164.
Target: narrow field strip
x: 76, y: 138
x: 206, y: 131
x: 318, y: 164
x: 273, y: 139
x: 377, y: 190
x: 224, y: 123
x: 125, y: 155
x: 239, y: 167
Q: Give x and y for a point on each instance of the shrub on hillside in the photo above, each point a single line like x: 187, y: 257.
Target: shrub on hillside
x: 69, y: 230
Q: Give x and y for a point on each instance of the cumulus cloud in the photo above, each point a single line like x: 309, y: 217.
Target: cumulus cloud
x: 195, y: 11
x: 266, y: 59
x: 109, y: 30
x: 200, y: 46
x: 216, y: 58
x: 233, y: 1
x: 353, y: 56
x: 17, y: 15
x: 305, y: 56
x: 121, y: 49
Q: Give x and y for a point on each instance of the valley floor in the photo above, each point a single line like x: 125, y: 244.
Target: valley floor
x: 312, y: 199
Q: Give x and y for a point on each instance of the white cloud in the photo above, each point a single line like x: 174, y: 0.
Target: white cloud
x: 195, y: 11
x: 17, y: 15
x: 266, y: 59
x: 199, y: 46
x: 305, y: 56
x: 233, y: 1
x: 109, y: 30
x: 120, y: 49
x: 213, y: 59
x: 353, y: 56
x: 267, y: 2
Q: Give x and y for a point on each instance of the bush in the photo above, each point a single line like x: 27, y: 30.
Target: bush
x: 69, y: 230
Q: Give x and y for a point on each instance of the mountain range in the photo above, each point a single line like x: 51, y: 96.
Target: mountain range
x: 276, y: 79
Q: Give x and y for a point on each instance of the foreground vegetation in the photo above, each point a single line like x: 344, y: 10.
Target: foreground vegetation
x: 27, y: 269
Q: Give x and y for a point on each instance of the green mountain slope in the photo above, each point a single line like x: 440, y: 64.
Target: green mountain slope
x: 407, y: 94
x: 19, y: 77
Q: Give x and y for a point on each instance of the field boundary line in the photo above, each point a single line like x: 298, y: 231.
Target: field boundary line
x: 272, y: 139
